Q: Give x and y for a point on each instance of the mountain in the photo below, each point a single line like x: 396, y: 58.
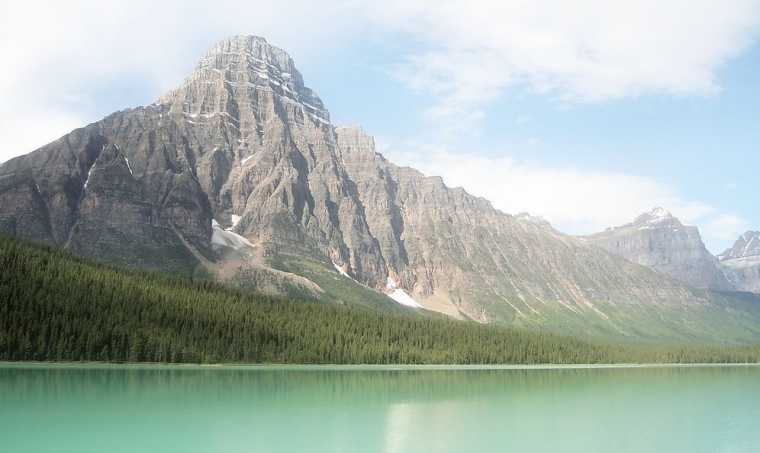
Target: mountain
x: 659, y: 240
x: 741, y: 263
x: 239, y: 173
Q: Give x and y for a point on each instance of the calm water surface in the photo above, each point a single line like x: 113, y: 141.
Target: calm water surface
x: 230, y: 409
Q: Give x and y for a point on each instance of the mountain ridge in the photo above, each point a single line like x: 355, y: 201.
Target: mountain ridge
x: 245, y: 177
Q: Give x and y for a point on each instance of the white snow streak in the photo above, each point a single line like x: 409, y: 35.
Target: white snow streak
x: 87, y: 181
x: 228, y: 238
x: 128, y: 166
x: 340, y: 270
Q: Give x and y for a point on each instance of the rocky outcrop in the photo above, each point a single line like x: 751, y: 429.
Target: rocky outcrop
x: 660, y: 241
x: 741, y: 263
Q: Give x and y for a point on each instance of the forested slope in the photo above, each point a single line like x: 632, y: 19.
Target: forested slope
x: 54, y: 306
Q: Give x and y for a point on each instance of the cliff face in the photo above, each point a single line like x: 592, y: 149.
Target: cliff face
x: 741, y: 263
x: 660, y: 241
x: 242, y: 136
x: 240, y: 170
x: 456, y: 253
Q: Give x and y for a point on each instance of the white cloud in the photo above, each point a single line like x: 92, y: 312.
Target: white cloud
x: 575, y: 201
x: 465, y: 53
x: 58, y: 54
x: 31, y: 129
x: 726, y: 227
x: 584, y: 50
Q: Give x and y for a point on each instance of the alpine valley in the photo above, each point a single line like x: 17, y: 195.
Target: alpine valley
x: 239, y: 175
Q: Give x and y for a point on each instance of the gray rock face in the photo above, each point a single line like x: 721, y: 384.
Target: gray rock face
x: 741, y: 263
x: 80, y: 193
x: 245, y: 143
x: 264, y: 150
x: 658, y: 240
x: 457, y: 254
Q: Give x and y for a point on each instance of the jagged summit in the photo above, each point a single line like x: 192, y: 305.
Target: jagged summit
x: 746, y: 246
x: 657, y: 216
x: 659, y: 240
x: 234, y: 75
x: 658, y: 213
x: 741, y: 262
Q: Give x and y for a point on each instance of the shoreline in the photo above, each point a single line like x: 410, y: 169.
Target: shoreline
x: 363, y: 367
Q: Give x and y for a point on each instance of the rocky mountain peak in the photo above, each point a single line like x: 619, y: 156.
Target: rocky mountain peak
x: 746, y: 246
x: 741, y: 263
x: 657, y: 239
x: 656, y: 217
x: 234, y: 75
x: 252, y: 56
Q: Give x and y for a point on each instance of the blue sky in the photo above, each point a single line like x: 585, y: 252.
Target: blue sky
x: 583, y: 112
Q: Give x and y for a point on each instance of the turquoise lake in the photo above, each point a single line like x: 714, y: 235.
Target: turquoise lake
x: 373, y: 409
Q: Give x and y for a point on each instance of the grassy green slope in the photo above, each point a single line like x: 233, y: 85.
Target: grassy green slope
x: 727, y: 319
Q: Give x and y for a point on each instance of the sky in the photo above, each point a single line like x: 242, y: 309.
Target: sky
x: 586, y: 113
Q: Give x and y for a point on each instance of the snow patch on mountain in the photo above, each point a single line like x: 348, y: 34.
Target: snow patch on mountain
x: 399, y: 295
x: 226, y: 238
x: 235, y: 220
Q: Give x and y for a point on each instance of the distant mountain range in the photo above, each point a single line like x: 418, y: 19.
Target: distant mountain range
x: 659, y: 240
x: 741, y: 263
x: 240, y: 174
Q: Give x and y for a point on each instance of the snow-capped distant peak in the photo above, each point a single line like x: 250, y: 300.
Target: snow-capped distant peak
x: 660, y: 213
x: 748, y: 245
x: 656, y: 217
x: 751, y: 235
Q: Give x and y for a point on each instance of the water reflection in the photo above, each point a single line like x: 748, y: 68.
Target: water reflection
x: 229, y: 409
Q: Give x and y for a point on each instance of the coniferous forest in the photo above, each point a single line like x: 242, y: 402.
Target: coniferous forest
x: 56, y: 307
